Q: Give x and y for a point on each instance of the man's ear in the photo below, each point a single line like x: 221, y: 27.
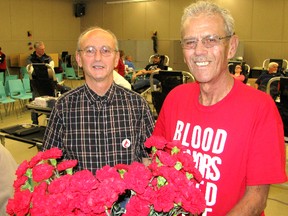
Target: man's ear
x: 78, y: 59
x: 233, y: 45
x: 117, y: 59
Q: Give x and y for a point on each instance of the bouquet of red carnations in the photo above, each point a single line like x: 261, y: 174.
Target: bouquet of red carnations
x: 166, y: 187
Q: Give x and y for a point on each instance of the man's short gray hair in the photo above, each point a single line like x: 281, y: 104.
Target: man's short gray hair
x: 271, y: 64
x: 38, y: 43
x: 209, y: 8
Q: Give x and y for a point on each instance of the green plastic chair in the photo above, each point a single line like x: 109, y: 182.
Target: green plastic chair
x: 7, y: 78
x: 2, y: 78
x: 27, y: 86
x: 24, y: 73
x: 6, y: 101
x: 70, y: 73
x: 17, y: 92
x: 59, y: 77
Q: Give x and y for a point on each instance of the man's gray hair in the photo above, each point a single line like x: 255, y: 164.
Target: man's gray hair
x: 271, y: 64
x: 209, y: 8
x: 93, y: 29
x: 38, y: 43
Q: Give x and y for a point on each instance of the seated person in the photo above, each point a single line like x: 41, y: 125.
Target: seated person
x: 144, y: 81
x: 263, y: 79
x: 238, y: 73
x: 129, y: 62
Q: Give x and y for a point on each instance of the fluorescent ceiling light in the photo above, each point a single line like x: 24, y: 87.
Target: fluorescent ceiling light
x: 127, y: 1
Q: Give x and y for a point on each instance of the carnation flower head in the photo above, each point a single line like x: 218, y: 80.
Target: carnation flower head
x: 82, y: 180
x: 107, y: 172
x: 53, y: 153
x: 22, y: 168
x: 137, y: 177
x: 155, y: 141
x: 42, y: 172
x: 67, y: 164
x: 36, y: 159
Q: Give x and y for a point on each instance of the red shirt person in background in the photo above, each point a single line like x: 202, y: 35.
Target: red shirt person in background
x: 3, y: 65
x: 121, y: 67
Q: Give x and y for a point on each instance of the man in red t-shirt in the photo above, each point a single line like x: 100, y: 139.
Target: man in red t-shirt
x: 233, y: 132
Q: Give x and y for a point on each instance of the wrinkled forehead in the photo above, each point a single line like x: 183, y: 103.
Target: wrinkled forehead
x: 203, y: 23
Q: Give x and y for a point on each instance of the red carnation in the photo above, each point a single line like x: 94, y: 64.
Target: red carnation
x: 138, y: 177
x: 164, y: 200
x: 22, y: 168
x: 53, y: 153
x: 82, y: 180
x: 137, y: 206
x: 36, y: 159
x: 42, y: 172
x: 21, y: 202
x: 155, y: 141
x: 66, y: 165
x: 166, y: 158
x: 107, y: 172
x: 59, y: 185
x: 20, y: 181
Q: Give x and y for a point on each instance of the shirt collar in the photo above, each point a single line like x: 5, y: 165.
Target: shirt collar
x: 105, y: 99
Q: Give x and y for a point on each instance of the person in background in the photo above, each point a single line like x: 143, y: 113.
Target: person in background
x: 238, y: 163
x: 99, y: 123
x: 3, y: 65
x: 144, y: 75
x: 238, y: 73
x: 129, y: 62
x: 39, y: 71
x: 263, y: 79
x: 8, y: 168
x: 39, y: 57
x: 40, y: 66
x: 119, y: 80
x: 120, y: 68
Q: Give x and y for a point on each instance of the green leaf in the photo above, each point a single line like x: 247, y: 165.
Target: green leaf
x: 154, y: 149
x: 69, y: 171
x: 53, y: 162
x: 178, y: 165
x: 122, y: 172
x: 175, y: 150
x: 28, y: 186
x: 161, y: 181
x: 159, y: 164
x: 189, y: 175
x: 29, y: 173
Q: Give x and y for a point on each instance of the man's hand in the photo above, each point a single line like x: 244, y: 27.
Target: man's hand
x: 30, y: 68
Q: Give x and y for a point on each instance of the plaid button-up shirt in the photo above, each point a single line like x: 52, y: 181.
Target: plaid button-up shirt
x: 100, y: 131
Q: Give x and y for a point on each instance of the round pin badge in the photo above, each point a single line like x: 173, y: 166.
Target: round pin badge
x: 126, y: 143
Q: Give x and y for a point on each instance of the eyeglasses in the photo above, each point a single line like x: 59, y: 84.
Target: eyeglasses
x: 208, y: 41
x: 91, y: 51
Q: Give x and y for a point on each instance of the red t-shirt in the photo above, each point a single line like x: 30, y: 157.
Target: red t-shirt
x: 121, y: 67
x: 235, y: 143
x: 3, y: 65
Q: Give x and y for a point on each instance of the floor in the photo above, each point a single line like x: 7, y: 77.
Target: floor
x: 278, y: 195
